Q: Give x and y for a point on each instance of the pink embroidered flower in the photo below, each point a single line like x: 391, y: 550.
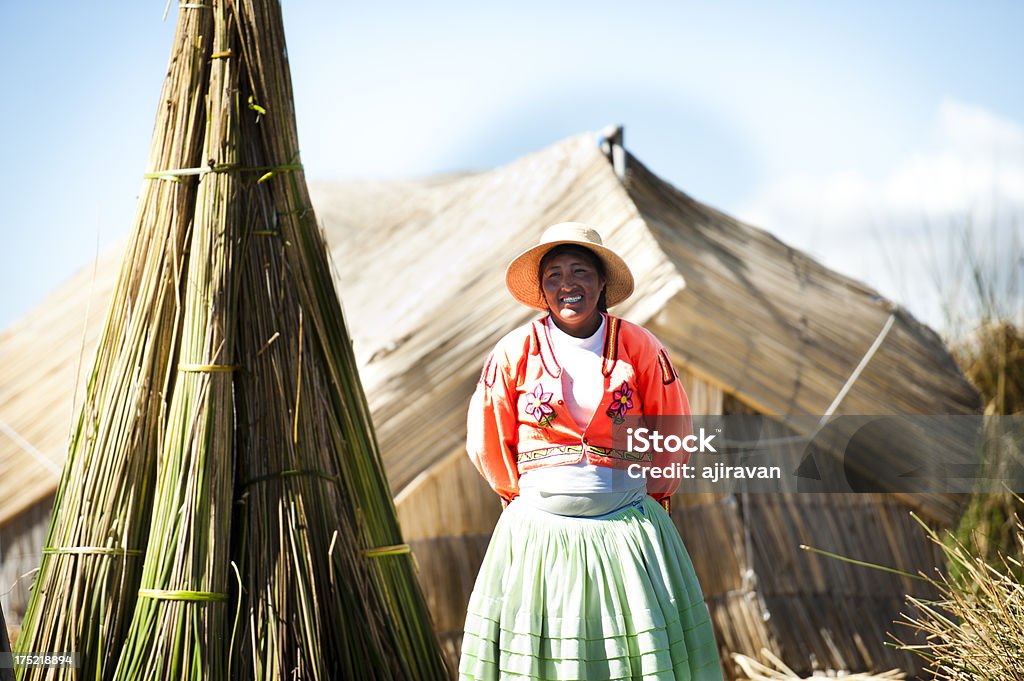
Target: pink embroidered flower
x: 622, y: 401
x: 538, y: 405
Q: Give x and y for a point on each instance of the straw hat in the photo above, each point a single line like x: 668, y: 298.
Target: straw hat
x: 522, y: 276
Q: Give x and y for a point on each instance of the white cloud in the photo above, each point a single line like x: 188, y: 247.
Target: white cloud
x: 972, y: 129
x: 902, y: 230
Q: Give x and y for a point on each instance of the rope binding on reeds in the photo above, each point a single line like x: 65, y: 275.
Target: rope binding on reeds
x: 209, y: 368
x: 292, y: 473
x: 175, y: 174
x: 393, y: 550
x: 183, y: 595
x: 91, y: 551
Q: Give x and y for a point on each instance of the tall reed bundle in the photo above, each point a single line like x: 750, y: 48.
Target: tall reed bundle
x: 295, y: 538
x: 331, y: 421
x: 327, y: 587
x: 297, y: 547
x: 99, y: 527
x: 179, y: 629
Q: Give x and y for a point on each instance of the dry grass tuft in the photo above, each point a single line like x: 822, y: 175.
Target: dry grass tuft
x: 974, y: 630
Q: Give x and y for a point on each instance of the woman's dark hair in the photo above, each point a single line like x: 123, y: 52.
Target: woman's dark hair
x: 563, y: 249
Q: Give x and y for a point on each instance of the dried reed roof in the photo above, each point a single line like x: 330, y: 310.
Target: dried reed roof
x: 420, y: 264
x: 41, y: 360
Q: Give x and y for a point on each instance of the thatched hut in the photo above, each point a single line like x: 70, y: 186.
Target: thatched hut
x: 753, y: 325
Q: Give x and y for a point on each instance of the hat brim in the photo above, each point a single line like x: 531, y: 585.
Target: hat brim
x: 523, y: 281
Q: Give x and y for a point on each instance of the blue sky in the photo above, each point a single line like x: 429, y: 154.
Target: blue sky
x: 841, y: 127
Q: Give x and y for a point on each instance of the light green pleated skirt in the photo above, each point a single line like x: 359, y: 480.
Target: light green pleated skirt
x: 588, y: 599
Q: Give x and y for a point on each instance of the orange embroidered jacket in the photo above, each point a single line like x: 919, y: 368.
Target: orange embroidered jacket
x: 518, y: 419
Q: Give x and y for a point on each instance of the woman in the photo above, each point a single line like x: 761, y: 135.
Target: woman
x: 585, y: 576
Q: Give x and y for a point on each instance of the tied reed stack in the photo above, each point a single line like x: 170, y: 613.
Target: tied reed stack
x: 83, y: 595
x: 180, y: 621
x: 224, y: 512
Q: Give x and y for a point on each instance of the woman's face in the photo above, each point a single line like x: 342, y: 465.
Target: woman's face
x: 572, y: 287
